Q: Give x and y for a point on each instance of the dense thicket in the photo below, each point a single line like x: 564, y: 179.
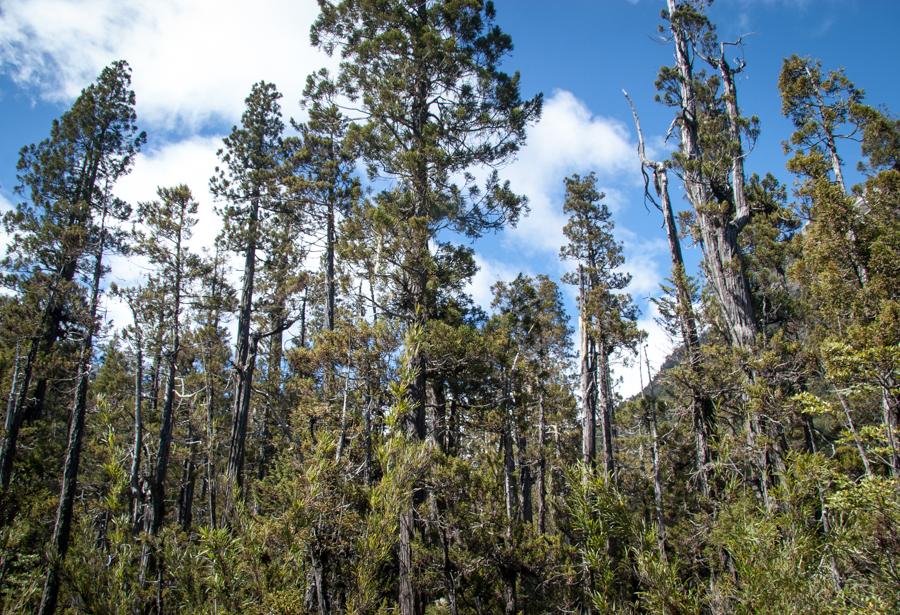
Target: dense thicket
x: 370, y: 440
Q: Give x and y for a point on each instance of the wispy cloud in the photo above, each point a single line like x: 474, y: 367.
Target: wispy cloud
x: 193, y: 61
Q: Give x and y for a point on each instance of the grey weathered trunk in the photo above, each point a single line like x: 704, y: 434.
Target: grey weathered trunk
x: 604, y: 409
x: 342, y: 436
x: 719, y: 232
x: 588, y: 390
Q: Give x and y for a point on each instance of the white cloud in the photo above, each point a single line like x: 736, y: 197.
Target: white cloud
x: 489, y: 273
x: 193, y: 61
x: 568, y: 139
x: 189, y: 162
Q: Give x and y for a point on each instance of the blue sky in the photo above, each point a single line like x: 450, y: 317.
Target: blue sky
x: 194, y: 62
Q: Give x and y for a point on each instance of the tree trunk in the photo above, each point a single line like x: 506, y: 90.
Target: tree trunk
x: 245, y: 358
x: 318, y: 569
x: 188, y: 479
x: 722, y: 254
x: 588, y: 419
x: 604, y: 409
x: 135, y: 474
x: 542, y: 467
x: 62, y: 525
x: 18, y: 392
x: 525, y: 479
x: 408, y: 599
x: 859, y: 447
x: 890, y: 429
x: 157, y: 491
x: 329, y: 264
x: 342, y: 436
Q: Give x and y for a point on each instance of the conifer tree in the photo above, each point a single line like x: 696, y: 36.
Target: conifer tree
x: 167, y: 226
x: 711, y: 161
x: 66, y: 178
x: 101, y: 239
x: 251, y: 184
x: 606, y: 315
x: 426, y: 78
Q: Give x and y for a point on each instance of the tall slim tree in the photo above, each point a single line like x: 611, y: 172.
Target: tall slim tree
x: 710, y: 160
x: 167, y: 226
x: 702, y: 409
x: 607, y: 316
x: 67, y: 178
x: 426, y: 78
x: 250, y: 183
x: 102, y: 238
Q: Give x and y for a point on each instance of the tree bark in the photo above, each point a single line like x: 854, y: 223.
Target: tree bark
x: 604, y: 409
x: 135, y: 474
x: 245, y: 359
x: 722, y: 254
x: 588, y: 390
x: 63, y: 523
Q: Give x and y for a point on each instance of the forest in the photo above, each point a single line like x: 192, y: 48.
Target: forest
x: 352, y: 433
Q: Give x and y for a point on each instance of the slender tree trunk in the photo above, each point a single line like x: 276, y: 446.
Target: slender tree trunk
x: 59, y: 544
x: 604, y: 409
x: 650, y: 407
x: 722, y: 254
x: 211, y: 480
x: 859, y: 447
x: 542, y: 466
x: 329, y: 264
x: 211, y: 483
x: 13, y: 423
x: 188, y: 480
x: 525, y: 479
x: 588, y: 390
x: 890, y: 429
x: 135, y: 474
x: 157, y: 491
x: 342, y: 436
x: 245, y: 358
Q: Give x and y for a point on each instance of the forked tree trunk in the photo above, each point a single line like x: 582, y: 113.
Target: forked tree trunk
x: 719, y: 232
